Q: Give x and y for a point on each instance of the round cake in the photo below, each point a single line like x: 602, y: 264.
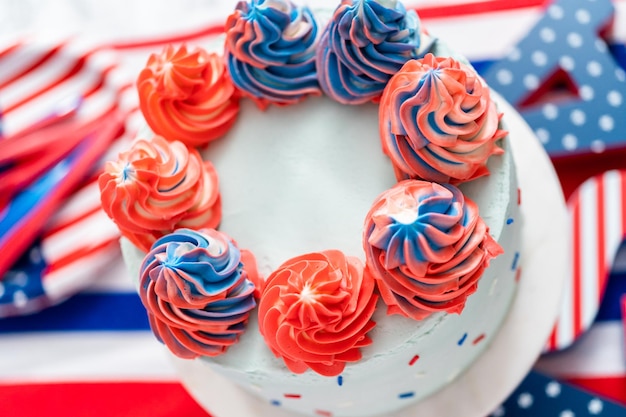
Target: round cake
x: 323, y: 210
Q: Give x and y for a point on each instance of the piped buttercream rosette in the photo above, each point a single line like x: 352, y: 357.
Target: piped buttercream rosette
x: 157, y: 186
x: 315, y: 311
x: 197, y: 292
x: 427, y: 247
x: 365, y: 43
x: 270, y: 51
x: 438, y: 122
x: 187, y: 95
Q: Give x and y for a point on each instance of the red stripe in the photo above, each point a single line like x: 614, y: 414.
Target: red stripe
x: 455, y: 10
x: 106, y: 399
x: 34, y: 65
x: 75, y: 255
x: 426, y: 12
x: 611, y: 388
x: 9, y: 49
x: 73, y: 220
x: 75, y: 69
x: 577, y: 259
x: 67, y: 220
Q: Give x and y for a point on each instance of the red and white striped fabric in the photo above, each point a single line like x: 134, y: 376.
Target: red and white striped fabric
x: 84, y: 358
x: 42, y: 79
x: 598, y: 218
x: 37, y: 75
x: 80, y: 242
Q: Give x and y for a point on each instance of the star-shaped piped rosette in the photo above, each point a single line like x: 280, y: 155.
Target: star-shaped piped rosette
x: 187, y: 95
x: 158, y: 186
x: 364, y: 44
x: 426, y: 246
x: 438, y: 121
x: 315, y: 311
x: 197, y: 292
x: 270, y: 51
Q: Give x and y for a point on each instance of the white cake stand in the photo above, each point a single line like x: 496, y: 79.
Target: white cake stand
x: 503, y: 365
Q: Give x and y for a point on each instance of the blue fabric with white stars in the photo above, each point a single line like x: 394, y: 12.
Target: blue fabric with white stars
x: 540, y: 396
x: 21, y: 288
x: 565, y: 39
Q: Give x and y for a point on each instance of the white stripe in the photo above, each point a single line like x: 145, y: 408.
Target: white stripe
x: 53, y: 69
x: 589, y: 252
x: 565, y: 321
x: 619, y: 23
x: 599, y: 354
x: 91, y: 231
x: 80, y: 274
x: 83, y: 201
x: 49, y: 102
x: 114, y: 278
x: 473, y: 35
x: 84, y: 356
x: 21, y: 58
x: 619, y: 265
x: 98, y: 103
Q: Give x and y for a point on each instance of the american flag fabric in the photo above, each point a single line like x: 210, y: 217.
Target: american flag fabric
x: 90, y: 351
x: 597, y: 212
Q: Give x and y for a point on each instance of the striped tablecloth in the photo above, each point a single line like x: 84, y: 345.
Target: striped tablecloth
x: 93, y: 354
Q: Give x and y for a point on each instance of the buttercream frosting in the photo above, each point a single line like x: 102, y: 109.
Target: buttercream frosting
x: 438, y: 121
x: 270, y: 51
x: 157, y: 186
x: 365, y: 43
x: 196, y: 291
x: 315, y: 311
x: 427, y: 247
x: 187, y: 95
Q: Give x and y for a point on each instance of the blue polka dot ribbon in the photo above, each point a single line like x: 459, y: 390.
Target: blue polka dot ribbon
x: 540, y: 396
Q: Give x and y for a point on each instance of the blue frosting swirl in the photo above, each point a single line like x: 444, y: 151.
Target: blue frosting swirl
x: 365, y: 43
x: 270, y: 50
x: 196, y: 291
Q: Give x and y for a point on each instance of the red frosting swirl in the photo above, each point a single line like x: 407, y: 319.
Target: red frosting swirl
x: 158, y: 186
x: 427, y: 247
x: 187, y: 95
x: 316, y: 310
x: 438, y: 122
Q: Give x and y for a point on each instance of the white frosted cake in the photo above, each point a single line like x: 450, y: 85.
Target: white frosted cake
x: 361, y: 247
